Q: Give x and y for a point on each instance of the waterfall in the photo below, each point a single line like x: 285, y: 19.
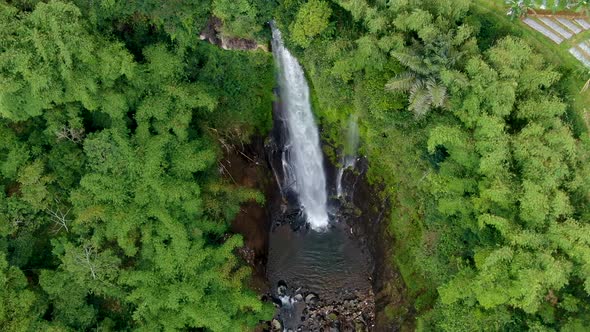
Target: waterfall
x: 302, y: 159
x: 349, y: 154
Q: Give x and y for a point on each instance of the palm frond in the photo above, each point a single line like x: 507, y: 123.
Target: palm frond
x: 438, y: 93
x: 401, y: 82
x: 412, y: 61
x: 420, y: 100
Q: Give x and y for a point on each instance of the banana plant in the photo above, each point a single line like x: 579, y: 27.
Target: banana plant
x: 520, y: 8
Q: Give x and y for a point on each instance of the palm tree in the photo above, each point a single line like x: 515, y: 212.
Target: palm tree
x: 425, y: 92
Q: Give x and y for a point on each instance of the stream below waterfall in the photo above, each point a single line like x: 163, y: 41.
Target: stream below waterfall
x: 319, y: 270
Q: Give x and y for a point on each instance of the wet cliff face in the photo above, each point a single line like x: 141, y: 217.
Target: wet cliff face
x: 394, y: 310
x: 246, y: 166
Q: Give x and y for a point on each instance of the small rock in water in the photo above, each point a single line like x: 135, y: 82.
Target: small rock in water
x: 282, y: 289
x: 276, y: 301
x: 276, y: 325
x: 311, y: 298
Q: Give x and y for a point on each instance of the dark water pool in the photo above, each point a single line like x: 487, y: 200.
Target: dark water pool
x: 331, y: 264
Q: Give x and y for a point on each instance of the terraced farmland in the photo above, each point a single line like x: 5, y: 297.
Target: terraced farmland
x: 557, y: 28
x: 545, y: 30
x: 562, y: 28
x: 581, y: 51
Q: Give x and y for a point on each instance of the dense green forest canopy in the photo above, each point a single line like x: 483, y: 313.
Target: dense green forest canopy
x: 113, y: 215
x: 483, y: 157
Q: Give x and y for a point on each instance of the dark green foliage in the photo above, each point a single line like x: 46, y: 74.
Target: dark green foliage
x: 243, y: 18
x: 49, y: 58
x: 111, y: 193
x: 20, y: 308
x: 242, y: 100
x: 311, y: 20
x: 489, y: 184
x: 141, y: 22
x: 113, y: 215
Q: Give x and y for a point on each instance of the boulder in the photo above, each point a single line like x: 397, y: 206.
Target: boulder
x: 311, y: 298
x: 276, y: 325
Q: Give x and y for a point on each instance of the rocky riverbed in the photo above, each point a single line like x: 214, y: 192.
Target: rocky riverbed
x: 355, y: 313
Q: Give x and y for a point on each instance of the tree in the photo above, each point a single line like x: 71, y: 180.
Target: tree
x: 68, y: 299
x: 20, y: 307
x: 137, y: 22
x: 425, y: 93
x: 140, y: 193
x: 228, y: 74
x: 48, y: 57
x: 243, y: 18
x: 34, y: 185
x: 109, y: 171
x: 187, y: 284
x: 439, y: 46
x: 518, y: 263
x: 160, y: 208
x: 478, y: 191
x: 311, y: 20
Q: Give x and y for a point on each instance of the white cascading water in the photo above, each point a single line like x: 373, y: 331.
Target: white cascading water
x: 349, y: 153
x: 303, y: 153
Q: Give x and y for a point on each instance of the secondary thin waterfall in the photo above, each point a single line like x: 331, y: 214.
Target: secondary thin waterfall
x: 349, y: 153
x: 303, y: 160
